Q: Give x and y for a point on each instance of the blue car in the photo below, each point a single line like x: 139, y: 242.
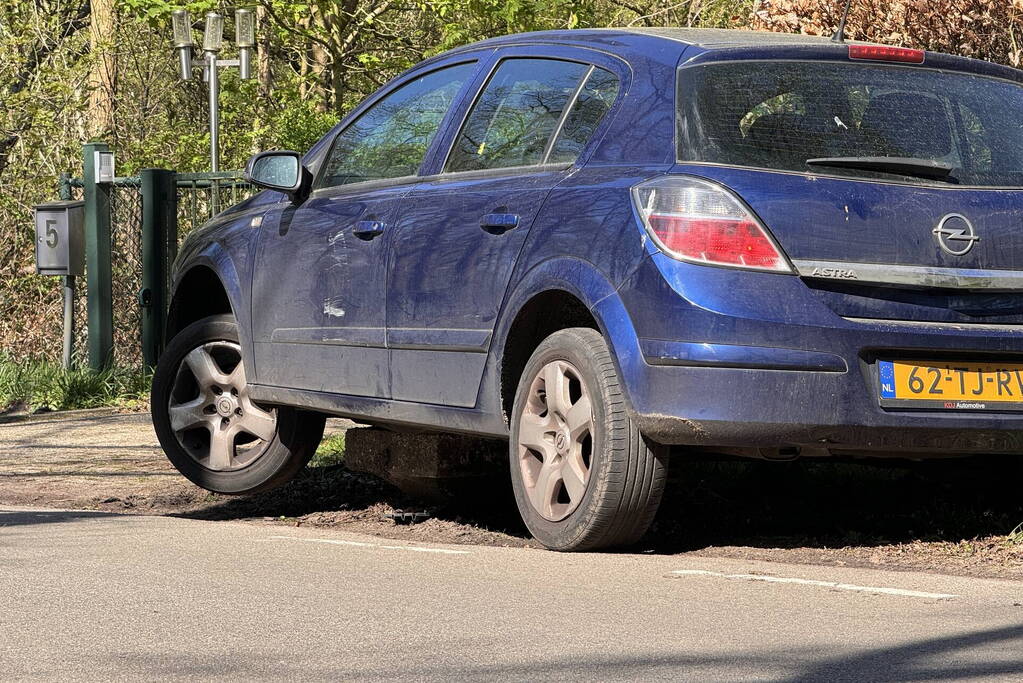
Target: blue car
x: 600, y: 244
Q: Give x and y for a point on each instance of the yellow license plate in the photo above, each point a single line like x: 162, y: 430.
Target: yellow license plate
x: 951, y: 385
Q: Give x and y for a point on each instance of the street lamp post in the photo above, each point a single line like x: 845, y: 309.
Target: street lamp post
x: 212, y: 43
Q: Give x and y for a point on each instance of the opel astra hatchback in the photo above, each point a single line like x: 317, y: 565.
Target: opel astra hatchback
x: 598, y: 244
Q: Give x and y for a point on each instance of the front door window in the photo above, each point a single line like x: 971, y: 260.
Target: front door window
x: 390, y: 140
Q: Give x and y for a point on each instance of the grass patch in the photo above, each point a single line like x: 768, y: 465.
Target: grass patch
x: 48, y: 386
x: 1015, y: 536
x: 331, y: 451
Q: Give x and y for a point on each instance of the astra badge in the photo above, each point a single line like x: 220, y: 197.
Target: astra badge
x: 955, y: 234
x: 834, y: 273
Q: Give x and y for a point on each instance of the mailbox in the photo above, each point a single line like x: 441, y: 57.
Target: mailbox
x: 60, y: 238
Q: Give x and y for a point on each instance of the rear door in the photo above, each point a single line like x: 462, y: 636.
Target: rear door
x: 463, y: 228
x: 846, y: 163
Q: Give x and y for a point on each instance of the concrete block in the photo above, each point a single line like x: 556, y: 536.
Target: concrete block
x: 427, y: 465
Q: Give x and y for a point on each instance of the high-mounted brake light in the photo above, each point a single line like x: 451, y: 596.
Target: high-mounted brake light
x: 884, y: 53
x: 701, y: 222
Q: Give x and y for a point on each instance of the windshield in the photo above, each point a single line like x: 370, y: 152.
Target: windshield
x: 781, y: 115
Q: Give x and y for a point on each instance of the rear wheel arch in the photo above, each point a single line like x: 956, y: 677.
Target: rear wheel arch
x: 539, y: 317
x: 591, y: 295
x: 200, y: 293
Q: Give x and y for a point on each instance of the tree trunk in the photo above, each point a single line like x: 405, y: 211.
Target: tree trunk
x: 263, y: 48
x: 303, y: 64
x: 319, y: 59
x: 320, y: 67
x: 264, y: 74
x: 103, y: 79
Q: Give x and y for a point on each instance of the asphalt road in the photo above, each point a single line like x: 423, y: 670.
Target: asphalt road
x: 92, y: 596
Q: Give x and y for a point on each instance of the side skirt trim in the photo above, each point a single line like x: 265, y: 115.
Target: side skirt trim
x: 376, y: 410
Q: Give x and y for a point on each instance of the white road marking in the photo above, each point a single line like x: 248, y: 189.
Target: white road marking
x: 360, y: 544
x: 822, y: 584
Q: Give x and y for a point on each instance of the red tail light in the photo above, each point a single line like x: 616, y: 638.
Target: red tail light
x: 885, y: 53
x: 701, y: 222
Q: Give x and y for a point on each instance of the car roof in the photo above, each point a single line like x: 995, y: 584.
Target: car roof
x: 637, y: 37
x: 666, y: 45
x: 728, y: 37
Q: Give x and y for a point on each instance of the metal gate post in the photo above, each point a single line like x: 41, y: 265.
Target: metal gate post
x: 159, y: 227
x: 97, y: 260
x: 70, y: 295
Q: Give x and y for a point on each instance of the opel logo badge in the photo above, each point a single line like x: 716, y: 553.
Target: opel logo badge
x: 225, y: 407
x: 561, y: 442
x: 955, y: 234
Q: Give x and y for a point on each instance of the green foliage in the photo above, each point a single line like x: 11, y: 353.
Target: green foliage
x: 43, y: 384
x: 297, y: 127
x: 44, y: 69
x: 331, y: 451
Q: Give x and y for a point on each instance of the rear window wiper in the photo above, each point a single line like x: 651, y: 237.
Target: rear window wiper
x: 920, y: 168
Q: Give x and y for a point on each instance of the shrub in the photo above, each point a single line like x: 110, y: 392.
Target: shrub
x: 985, y: 29
x: 47, y: 385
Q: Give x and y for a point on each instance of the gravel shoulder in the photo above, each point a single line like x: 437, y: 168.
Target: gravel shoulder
x: 949, y: 517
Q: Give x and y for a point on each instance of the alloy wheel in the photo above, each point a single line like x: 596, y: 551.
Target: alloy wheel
x: 211, y: 413
x: 555, y: 440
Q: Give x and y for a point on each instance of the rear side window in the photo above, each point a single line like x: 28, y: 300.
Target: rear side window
x: 594, y: 100
x: 779, y: 115
x: 520, y: 110
x: 390, y: 140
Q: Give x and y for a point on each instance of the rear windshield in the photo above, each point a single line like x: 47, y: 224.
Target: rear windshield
x: 778, y: 115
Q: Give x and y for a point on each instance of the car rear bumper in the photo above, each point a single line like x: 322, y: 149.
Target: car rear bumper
x: 747, y: 360
x: 807, y: 410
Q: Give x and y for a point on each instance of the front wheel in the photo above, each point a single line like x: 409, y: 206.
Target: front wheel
x: 584, y: 477
x: 209, y: 426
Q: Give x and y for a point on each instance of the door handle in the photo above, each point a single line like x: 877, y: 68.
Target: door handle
x: 499, y: 223
x: 367, y: 230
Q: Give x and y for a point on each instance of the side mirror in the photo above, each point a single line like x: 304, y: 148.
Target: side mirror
x: 279, y: 170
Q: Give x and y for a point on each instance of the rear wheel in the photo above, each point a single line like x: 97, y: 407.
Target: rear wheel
x: 584, y: 477
x: 209, y: 426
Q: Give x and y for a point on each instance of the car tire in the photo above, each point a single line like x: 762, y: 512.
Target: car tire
x: 582, y: 479
x: 210, y: 429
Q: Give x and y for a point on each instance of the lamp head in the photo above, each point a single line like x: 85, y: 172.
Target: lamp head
x: 213, y: 38
x: 181, y: 23
x: 244, y: 28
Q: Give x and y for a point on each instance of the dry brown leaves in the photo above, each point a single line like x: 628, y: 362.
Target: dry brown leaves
x: 985, y: 29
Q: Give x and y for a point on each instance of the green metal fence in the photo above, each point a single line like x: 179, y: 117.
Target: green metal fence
x: 203, y: 195
x: 133, y: 228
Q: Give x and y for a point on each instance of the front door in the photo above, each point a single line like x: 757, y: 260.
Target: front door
x: 462, y: 230
x: 319, y: 294
x: 319, y: 322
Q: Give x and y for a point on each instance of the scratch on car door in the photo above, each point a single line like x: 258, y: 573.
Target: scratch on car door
x: 336, y: 275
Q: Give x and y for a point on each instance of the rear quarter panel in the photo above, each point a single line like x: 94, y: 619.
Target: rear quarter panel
x: 587, y: 242
x: 586, y: 239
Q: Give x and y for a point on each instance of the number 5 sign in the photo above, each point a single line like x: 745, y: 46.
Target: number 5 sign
x: 60, y: 238
x: 51, y: 233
